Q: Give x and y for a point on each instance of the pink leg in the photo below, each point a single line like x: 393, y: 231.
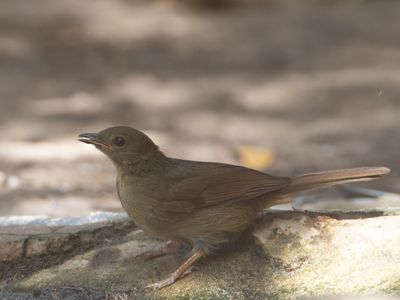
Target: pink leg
x: 184, y: 269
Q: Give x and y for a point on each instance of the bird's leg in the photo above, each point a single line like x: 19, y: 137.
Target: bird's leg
x: 169, y: 247
x: 184, y: 269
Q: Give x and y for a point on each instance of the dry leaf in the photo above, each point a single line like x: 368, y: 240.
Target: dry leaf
x: 255, y: 158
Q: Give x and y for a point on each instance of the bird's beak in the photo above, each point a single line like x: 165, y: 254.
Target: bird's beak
x: 92, y: 138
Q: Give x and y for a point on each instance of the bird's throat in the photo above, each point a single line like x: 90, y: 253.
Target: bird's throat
x: 151, y: 163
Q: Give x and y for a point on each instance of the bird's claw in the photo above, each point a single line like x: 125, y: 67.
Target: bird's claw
x: 171, y: 280
x: 161, y: 284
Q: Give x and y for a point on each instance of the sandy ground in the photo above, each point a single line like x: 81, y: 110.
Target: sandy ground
x: 318, y: 85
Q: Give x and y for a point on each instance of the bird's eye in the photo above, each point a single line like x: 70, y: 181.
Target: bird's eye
x: 119, y: 141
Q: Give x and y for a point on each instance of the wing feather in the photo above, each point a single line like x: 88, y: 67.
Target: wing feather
x: 218, y: 185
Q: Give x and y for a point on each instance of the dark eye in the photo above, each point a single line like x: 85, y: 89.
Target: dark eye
x: 119, y: 141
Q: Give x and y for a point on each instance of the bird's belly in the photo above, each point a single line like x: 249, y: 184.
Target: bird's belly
x: 209, y: 228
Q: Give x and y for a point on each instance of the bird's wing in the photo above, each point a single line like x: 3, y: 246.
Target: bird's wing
x: 219, y: 184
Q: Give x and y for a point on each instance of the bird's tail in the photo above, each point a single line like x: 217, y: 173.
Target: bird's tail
x: 320, y: 180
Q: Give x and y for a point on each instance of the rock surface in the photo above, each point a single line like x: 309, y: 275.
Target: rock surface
x: 41, y: 236
x: 288, y: 255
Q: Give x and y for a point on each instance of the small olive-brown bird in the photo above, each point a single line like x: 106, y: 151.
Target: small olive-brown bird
x: 205, y: 204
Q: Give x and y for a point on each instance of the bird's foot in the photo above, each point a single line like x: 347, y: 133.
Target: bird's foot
x: 185, y: 269
x: 172, y: 279
x: 161, y: 284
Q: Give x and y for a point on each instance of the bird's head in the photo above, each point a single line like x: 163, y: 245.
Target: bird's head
x: 123, y: 145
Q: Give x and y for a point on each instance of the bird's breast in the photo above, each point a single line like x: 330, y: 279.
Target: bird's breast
x: 137, y: 196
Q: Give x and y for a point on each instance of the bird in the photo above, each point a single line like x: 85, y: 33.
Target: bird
x: 204, y: 204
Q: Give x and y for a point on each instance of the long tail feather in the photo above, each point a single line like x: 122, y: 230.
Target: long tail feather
x: 326, y: 179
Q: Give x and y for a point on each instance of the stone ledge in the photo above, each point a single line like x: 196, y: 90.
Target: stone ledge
x: 18, y: 241
x: 290, y: 255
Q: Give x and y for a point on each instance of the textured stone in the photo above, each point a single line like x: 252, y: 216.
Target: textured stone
x: 25, y: 229
x: 289, y: 255
x: 50, y: 243
x: 292, y: 255
x: 81, y: 228
x: 321, y: 253
x: 11, y: 246
x: 41, y: 240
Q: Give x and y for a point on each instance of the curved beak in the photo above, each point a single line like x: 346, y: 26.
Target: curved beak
x: 92, y: 138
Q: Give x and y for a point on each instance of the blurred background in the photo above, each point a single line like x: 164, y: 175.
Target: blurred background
x: 300, y: 86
